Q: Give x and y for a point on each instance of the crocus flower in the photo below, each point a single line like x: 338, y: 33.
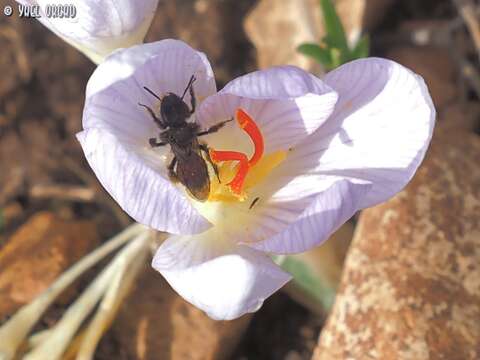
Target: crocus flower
x: 310, y: 153
x: 98, y: 27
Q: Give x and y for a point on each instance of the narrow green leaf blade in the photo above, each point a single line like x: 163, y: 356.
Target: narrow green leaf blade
x: 316, y: 52
x: 307, y: 284
x: 338, y: 58
x: 333, y: 26
x: 362, y: 48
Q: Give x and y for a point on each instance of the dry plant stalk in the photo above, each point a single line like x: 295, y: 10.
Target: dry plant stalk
x: 15, y: 330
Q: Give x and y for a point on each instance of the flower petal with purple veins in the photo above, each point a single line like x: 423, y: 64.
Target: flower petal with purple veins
x: 287, y: 103
x: 116, y: 88
x: 224, y: 280
x: 142, y: 190
x: 373, y: 142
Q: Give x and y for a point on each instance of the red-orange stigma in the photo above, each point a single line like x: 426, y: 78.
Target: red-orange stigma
x: 251, y: 128
x: 247, y: 124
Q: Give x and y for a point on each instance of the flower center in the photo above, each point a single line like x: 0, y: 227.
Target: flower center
x: 237, y: 173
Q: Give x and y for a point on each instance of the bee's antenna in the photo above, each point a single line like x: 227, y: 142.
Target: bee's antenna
x: 190, y: 83
x: 152, y: 93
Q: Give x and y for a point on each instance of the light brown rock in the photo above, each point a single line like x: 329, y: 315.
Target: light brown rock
x: 411, y: 284
x: 38, y: 252
x: 277, y: 28
x: 156, y: 323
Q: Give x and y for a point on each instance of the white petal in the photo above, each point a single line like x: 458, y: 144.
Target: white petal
x: 326, y: 213
x: 287, y: 103
x: 374, y: 141
x: 99, y: 27
x: 138, y: 186
x: 381, y: 127
x: 272, y: 206
x: 225, y: 281
x: 112, y: 108
x: 163, y: 66
x: 115, y: 89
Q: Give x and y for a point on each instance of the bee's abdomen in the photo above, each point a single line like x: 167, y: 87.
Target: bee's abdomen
x: 192, y: 172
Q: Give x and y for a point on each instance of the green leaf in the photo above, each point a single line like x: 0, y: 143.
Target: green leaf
x: 328, y: 42
x: 362, y: 48
x: 333, y: 49
x: 337, y: 58
x: 333, y: 27
x: 316, y: 52
x: 317, y: 289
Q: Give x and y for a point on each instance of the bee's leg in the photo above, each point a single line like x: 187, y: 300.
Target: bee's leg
x: 192, y: 94
x: 204, y: 148
x: 171, y: 170
x: 214, y: 128
x: 159, y: 122
x: 192, y: 100
x: 155, y: 143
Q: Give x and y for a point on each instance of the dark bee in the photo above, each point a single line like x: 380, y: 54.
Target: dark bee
x: 188, y: 166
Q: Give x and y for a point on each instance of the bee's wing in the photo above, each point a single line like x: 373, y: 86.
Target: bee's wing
x: 192, y: 172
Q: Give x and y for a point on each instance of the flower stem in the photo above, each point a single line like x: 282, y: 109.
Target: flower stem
x: 14, y: 331
x: 61, y: 335
x: 110, y: 305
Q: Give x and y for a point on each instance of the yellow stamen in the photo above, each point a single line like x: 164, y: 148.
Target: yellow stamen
x: 257, y: 173
x: 264, y: 167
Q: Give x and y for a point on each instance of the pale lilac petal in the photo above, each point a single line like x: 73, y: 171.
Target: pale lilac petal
x: 180, y: 252
x: 381, y: 127
x: 287, y: 103
x: 99, y: 26
x: 225, y: 281
x: 116, y: 87
x: 281, y: 199
x: 325, y: 214
x: 374, y: 141
x: 138, y: 186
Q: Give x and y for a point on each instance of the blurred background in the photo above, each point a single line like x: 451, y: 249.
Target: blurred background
x: 53, y: 211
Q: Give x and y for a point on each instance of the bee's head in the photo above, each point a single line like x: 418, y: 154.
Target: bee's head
x: 174, y: 110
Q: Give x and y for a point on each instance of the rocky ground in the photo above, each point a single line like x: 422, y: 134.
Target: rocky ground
x: 53, y: 210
